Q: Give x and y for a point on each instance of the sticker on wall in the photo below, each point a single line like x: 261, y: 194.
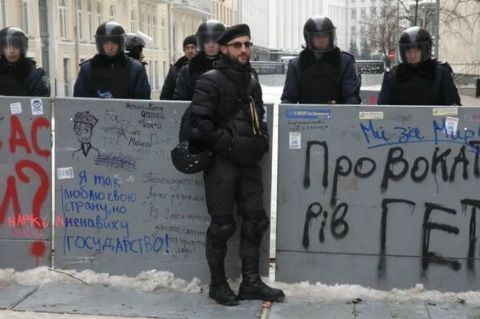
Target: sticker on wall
x: 37, y: 106
x: 65, y: 173
x: 308, y: 114
x: 295, y: 140
x: 451, y: 124
x: 444, y: 111
x: 370, y: 115
x: 16, y: 108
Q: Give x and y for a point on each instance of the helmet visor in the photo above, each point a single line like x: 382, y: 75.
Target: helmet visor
x: 413, y: 52
x: 323, y: 41
x: 14, y: 41
x: 103, y: 40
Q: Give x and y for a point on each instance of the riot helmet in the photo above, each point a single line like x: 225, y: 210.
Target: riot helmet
x: 415, y: 37
x: 209, y: 31
x: 134, y: 45
x: 189, y: 162
x: 110, y: 32
x: 13, y: 37
x: 319, y: 26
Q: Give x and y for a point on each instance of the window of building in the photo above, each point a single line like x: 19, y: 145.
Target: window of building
x: 157, y: 73
x: 149, y: 26
x: 155, y: 31
x: 90, y: 19
x: 99, y: 13
x: 3, y: 7
x: 62, y: 12
x: 132, y: 21
x: 162, y: 33
x: 112, y: 13
x: 66, y: 77
x: 79, y: 20
x: 354, y: 13
x: 373, y: 11
x: 363, y: 13
x: 25, y: 16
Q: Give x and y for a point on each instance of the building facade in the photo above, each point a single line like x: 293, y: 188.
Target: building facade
x: 185, y: 17
x: 226, y: 11
x: 255, y: 13
x: 459, y: 39
x: 62, y: 34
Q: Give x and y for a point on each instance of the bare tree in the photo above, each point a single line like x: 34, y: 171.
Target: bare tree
x: 383, y: 27
x: 392, y: 16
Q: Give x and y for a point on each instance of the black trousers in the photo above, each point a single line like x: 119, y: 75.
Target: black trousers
x: 227, y: 184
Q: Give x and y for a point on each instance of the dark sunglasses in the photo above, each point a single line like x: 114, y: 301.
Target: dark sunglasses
x: 238, y: 45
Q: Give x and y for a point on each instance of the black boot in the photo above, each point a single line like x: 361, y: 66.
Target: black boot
x: 252, y: 287
x: 220, y: 291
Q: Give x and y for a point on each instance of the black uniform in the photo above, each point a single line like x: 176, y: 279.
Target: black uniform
x: 430, y: 83
x: 313, y: 81
x: 171, y: 80
x: 189, y: 74
x: 118, y: 77
x: 23, y: 78
x: 223, y: 117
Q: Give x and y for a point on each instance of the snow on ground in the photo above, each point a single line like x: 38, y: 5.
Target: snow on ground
x: 7, y: 314
x: 304, y: 292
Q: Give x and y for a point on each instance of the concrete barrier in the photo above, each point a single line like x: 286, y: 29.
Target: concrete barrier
x: 25, y: 183
x: 385, y: 197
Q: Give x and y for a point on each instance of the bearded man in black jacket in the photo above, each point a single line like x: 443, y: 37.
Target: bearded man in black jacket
x: 19, y: 75
x: 227, y: 115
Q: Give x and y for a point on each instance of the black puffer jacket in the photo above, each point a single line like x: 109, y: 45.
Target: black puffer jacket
x: 168, y: 87
x: 331, y: 78
x: 23, y: 78
x: 430, y: 83
x: 227, y: 113
x: 121, y: 76
x: 189, y: 74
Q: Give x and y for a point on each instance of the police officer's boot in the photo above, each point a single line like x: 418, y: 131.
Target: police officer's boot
x: 255, y: 223
x: 252, y: 287
x: 216, y: 247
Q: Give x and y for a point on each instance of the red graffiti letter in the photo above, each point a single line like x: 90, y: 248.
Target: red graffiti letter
x: 10, y: 196
x: 38, y: 123
x: 42, y: 190
x: 16, y: 128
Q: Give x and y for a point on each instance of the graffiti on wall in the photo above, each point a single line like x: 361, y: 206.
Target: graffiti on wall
x: 25, y: 183
x: 125, y: 197
x: 389, y: 161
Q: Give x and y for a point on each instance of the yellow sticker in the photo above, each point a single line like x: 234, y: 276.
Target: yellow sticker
x: 370, y: 115
x: 443, y: 111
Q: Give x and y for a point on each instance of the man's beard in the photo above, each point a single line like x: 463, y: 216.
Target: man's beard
x: 237, y: 59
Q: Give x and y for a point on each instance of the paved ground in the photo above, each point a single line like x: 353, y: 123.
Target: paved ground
x: 77, y: 300
x: 469, y: 100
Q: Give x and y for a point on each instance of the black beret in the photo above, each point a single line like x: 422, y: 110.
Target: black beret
x: 191, y: 39
x: 233, y: 32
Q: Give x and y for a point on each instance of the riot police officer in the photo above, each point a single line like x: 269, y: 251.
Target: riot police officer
x: 134, y: 45
x: 322, y: 73
x: 111, y: 73
x: 418, y: 79
x: 207, y: 35
x: 19, y: 75
x: 190, y: 50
